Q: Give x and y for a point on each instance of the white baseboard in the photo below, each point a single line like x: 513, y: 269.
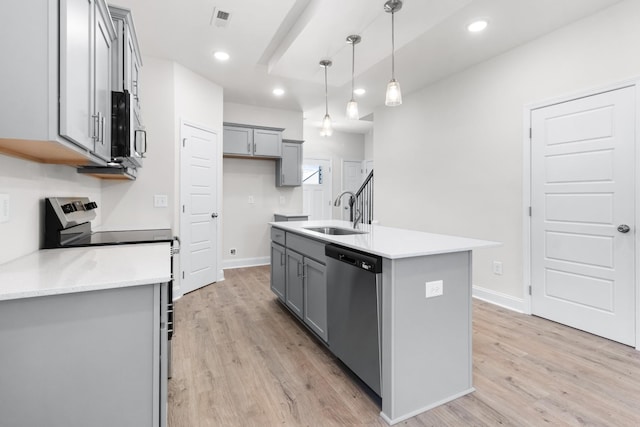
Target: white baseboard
x: 245, y: 262
x: 498, y: 298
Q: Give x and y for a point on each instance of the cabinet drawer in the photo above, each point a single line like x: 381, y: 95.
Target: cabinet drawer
x: 277, y: 235
x: 308, y: 247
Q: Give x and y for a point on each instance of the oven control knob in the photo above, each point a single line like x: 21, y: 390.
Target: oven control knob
x: 68, y: 208
x: 90, y: 206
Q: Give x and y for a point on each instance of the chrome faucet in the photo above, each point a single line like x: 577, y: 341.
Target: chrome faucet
x: 357, y: 217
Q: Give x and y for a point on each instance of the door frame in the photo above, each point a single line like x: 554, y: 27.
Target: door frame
x: 526, y: 186
x: 179, y: 183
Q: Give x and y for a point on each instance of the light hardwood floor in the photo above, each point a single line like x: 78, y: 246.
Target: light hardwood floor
x: 240, y: 359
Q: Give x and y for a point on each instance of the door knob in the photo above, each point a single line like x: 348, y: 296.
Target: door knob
x: 624, y: 228
x: 214, y: 215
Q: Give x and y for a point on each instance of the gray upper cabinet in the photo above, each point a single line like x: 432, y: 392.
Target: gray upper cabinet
x: 126, y: 57
x: 85, y: 74
x: 55, y: 80
x: 289, y: 167
x: 250, y: 141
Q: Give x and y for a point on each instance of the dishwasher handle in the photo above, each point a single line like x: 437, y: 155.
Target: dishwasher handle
x: 361, y: 260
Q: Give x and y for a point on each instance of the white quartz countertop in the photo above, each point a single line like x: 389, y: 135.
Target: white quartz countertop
x: 387, y: 242
x: 68, y: 270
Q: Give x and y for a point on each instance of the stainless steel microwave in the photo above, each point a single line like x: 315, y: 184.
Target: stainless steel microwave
x: 128, y: 136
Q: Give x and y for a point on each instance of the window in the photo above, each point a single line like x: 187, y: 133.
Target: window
x: 312, y: 174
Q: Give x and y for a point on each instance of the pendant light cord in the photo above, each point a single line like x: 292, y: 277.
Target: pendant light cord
x: 326, y: 92
x: 393, y: 47
x: 353, y: 67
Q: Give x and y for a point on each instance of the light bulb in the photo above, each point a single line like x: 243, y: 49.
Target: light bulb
x: 352, y: 110
x: 394, y: 95
x: 327, y: 129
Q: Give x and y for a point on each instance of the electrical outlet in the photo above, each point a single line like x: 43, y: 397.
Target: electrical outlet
x: 160, y: 201
x: 251, y: 200
x: 434, y: 289
x: 497, y: 268
x: 282, y: 200
x: 232, y: 251
x: 4, y: 208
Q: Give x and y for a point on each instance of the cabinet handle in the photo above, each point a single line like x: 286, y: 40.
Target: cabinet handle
x: 281, y: 259
x: 101, y: 128
x: 96, y: 126
x: 298, y: 269
x: 249, y: 147
x: 304, y: 271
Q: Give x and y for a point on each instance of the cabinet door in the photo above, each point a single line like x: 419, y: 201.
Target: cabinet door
x: 102, y: 89
x: 267, y: 143
x: 237, y: 140
x: 294, y: 282
x: 315, y: 297
x: 76, y: 103
x: 290, y: 166
x: 278, y: 271
x: 135, y: 77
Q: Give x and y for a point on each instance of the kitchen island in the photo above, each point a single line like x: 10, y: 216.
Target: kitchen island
x: 83, y: 337
x: 425, y: 332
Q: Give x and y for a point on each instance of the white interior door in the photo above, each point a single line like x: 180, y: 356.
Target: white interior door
x: 352, y: 177
x: 368, y: 167
x: 198, y: 214
x: 582, y: 193
x: 316, y: 188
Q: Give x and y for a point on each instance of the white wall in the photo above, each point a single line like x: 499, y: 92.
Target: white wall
x: 449, y: 159
x: 338, y: 147
x: 244, y: 225
x: 27, y: 184
x: 368, y: 145
x: 130, y: 203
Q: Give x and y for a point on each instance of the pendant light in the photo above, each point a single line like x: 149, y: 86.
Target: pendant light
x: 327, y: 129
x: 352, y: 106
x: 394, y: 96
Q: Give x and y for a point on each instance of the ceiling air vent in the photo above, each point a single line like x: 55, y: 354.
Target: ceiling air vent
x: 219, y: 18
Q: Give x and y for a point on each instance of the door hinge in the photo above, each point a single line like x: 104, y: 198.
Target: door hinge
x: 184, y: 141
x: 529, y: 210
x: 530, y: 133
x: 529, y: 289
x: 183, y: 276
x: 182, y: 208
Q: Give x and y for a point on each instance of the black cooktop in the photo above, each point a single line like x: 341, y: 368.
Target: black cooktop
x: 103, y: 238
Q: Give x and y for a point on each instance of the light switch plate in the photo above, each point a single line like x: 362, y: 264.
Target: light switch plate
x: 4, y: 208
x: 160, y: 201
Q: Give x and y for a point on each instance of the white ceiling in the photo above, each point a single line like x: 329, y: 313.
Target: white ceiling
x: 280, y: 42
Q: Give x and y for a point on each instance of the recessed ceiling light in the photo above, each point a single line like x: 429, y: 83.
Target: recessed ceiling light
x: 360, y: 91
x: 278, y: 91
x: 221, y: 56
x: 477, y: 26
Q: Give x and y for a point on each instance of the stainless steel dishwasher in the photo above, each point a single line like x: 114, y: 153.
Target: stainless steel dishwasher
x: 353, y: 311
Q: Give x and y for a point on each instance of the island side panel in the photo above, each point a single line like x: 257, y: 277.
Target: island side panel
x: 80, y: 359
x: 426, y: 341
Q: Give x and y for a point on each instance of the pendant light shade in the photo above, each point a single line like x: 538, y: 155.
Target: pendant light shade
x: 394, y: 95
x: 352, y: 105
x: 327, y: 127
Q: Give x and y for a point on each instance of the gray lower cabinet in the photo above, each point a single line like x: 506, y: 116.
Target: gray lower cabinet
x: 315, y: 297
x: 289, y: 167
x: 95, y: 358
x: 295, y: 282
x: 278, y: 270
x: 301, y: 283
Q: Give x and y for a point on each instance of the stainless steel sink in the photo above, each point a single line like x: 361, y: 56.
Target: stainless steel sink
x: 335, y: 231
